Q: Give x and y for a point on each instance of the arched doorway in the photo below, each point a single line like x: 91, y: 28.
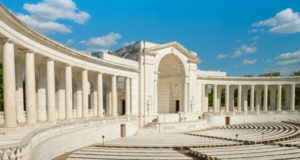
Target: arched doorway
x: 171, y: 83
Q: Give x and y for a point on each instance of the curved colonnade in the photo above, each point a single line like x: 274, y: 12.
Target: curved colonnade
x: 253, y: 93
x: 57, y: 95
x: 60, y: 83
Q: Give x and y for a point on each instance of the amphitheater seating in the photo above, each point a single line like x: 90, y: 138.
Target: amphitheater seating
x: 280, y: 141
x: 169, y: 140
x: 290, y: 143
x: 249, y: 152
x: 253, y: 133
x: 116, y: 153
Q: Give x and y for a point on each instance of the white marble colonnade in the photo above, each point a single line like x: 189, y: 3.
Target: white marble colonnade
x: 32, y: 96
x: 258, y: 94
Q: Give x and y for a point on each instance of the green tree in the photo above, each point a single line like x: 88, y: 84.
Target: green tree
x: 1, y: 89
x: 296, y: 73
x: 210, y: 98
x: 297, y: 98
x: 248, y: 75
x: 271, y: 74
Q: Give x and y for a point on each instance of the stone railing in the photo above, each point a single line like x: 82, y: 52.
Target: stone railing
x: 13, y: 153
x: 21, y: 118
x: 29, y: 147
x: 1, y: 115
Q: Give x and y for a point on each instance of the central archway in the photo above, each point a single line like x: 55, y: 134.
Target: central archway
x: 170, y: 86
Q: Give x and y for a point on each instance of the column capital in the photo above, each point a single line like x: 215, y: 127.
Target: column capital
x: 50, y: 59
x: 68, y: 65
x: 7, y: 40
x: 83, y: 70
x: 29, y: 51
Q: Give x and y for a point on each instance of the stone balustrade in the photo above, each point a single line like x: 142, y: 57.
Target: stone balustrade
x: 28, y: 148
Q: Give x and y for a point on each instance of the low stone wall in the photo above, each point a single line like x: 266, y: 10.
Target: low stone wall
x: 179, y: 126
x: 218, y: 119
x: 54, y: 141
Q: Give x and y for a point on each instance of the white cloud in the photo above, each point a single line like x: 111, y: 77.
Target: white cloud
x: 246, y: 61
x: 256, y: 31
x: 284, y: 22
x: 128, y: 43
x: 91, y: 50
x: 82, y: 42
x: 70, y: 41
x: 43, y: 15
x: 243, y: 50
x: 255, y: 38
x: 48, y: 27
x: 253, y: 31
x: 268, y: 61
x: 221, y: 56
x: 288, y: 62
x: 103, y: 41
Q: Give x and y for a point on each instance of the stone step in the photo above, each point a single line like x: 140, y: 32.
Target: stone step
x: 87, y: 157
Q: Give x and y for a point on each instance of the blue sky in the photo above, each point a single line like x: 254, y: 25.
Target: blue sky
x: 239, y: 37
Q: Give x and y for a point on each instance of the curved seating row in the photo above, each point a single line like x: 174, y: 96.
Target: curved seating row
x: 252, y: 133
x: 168, y: 140
x: 116, y: 153
x: 249, y: 152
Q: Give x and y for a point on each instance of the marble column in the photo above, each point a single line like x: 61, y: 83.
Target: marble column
x: 239, y: 98
x: 155, y: 96
x: 114, y: 95
x: 41, y: 93
x: 203, y: 105
x: 219, y: 98
x: 293, y: 89
x: 170, y: 99
x: 215, y: 98
x: 61, y: 94
x: 109, y: 103
x: 9, y: 85
x: 51, y: 91
x: 252, y: 98
x: 69, y: 92
x: 231, y: 99
x: 185, y: 107
x: 279, y: 98
x: 94, y: 102
x: 20, y: 92
x: 127, y: 98
x: 85, y: 98
x: 100, y: 95
x: 265, y: 97
x: 258, y: 99
x: 78, y: 98
x: 227, y: 98
x: 30, y: 88
x: 245, y: 99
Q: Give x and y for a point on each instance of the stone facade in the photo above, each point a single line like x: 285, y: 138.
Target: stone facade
x: 157, y: 83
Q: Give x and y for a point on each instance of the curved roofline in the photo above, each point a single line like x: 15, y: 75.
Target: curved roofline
x: 37, y: 36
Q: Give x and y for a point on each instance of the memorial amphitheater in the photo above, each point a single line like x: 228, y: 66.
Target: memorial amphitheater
x: 143, y: 101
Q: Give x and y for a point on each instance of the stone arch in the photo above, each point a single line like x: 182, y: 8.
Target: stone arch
x: 178, y: 55
x: 171, y: 82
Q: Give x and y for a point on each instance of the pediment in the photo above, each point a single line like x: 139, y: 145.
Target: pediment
x: 192, y: 56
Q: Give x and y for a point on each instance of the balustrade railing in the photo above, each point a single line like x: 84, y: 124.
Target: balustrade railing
x: 1, y: 115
